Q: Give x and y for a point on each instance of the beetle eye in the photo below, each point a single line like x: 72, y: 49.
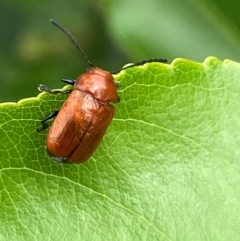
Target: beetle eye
x: 89, y: 69
x: 118, y: 99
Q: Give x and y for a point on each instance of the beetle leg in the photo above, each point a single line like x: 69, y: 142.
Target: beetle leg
x: 118, y: 99
x: 43, y: 88
x: 45, y: 119
x: 68, y: 81
x: 58, y: 159
x: 118, y: 84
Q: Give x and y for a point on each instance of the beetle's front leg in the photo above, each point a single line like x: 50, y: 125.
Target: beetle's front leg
x: 43, y: 88
x: 68, y: 81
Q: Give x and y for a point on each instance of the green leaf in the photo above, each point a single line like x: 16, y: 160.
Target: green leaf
x: 167, y: 169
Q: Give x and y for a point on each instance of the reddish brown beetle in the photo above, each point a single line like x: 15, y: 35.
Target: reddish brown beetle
x: 82, y: 121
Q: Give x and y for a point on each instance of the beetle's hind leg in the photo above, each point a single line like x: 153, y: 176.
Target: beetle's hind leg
x: 48, y: 117
x: 63, y: 160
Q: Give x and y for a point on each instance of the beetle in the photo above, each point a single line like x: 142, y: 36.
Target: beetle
x: 83, y: 119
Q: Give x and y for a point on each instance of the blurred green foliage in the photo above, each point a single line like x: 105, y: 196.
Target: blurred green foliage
x: 111, y: 33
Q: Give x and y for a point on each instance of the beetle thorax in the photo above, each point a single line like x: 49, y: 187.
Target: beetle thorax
x: 99, y: 83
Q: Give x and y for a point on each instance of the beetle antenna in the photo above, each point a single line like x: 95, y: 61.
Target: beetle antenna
x: 158, y: 60
x: 64, y: 30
